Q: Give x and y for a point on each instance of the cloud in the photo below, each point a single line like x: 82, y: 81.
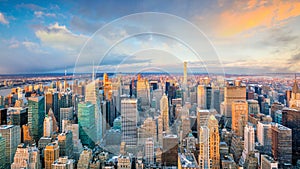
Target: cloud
x: 243, y: 17
x: 40, y: 14
x: 59, y: 37
x: 3, y: 20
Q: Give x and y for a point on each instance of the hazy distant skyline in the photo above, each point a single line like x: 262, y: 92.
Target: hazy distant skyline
x: 249, y: 36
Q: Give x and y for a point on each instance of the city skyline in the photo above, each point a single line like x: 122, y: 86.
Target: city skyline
x: 246, y: 37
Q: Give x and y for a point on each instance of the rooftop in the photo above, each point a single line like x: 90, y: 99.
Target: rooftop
x: 188, y: 160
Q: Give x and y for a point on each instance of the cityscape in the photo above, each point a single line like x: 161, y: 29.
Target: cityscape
x: 146, y: 85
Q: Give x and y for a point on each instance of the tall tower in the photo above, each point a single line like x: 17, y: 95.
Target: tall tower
x: 2, y: 152
x: 26, y: 157
x: 129, y: 115
x: 214, y: 142
x: 164, y: 111
x: 48, y: 126
x: 248, y: 143
x: 92, y: 95
x: 204, y: 159
x: 149, y: 151
x: 51, y: 153
x: 143, y: 91
x: 231, y: 94
x: 86, y: 123
x: 12, y: 137
x: 36, y: 115
x: 185, y: 74
x: 239, y: 117
x: 201, y: 96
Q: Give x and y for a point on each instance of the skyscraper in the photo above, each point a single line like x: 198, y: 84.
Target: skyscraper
x: 248, y: 143
x: 63, y: 163
x: 86, y: 123
x: 170, y: 150
x: 26, y: 157
x: 239, y: 117
x: 129, y: 115
x: 92, y: 95
x: 149, y: 151
x: 185, y: 74
x: 294, y: 101
x: 48, y: 126
x: 65, y: 144
x: 264, y: 136
x: 204, y: 149
x: 65, y: 114
x: 231, y: 94
x: 164, y: 111
x: 281, y: 144
x: 36, y: 115
x: 12, y: 136
x: 2, y: 152
x: 84, y: 159
x: 214, y: 142
x: 291, y: 119
x: 51, y: 99
x: 51, y: 153
x: 143, y: 92
x: 201, y: 96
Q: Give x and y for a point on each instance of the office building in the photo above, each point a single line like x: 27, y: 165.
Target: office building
x: 170, y: 150
x: 294, y: 101
x: 204, y: 149
x: 3, y: 116
x: 2, y: 152
x: 84, y: 159
x: 92, y: 96
x: 129, y: 117
x: 86, y: 123
x: 65, y: 114
x: 65, y: 144
x: 264, y: 136
x: 281, y: 144
x: 149, y: 151
x: 164, y: 111
x: 26, y: 157
x: 214, y: 142
x: 291, y: 119
x: 63, y: 163
x: 232, y: 94
x: 36, y: 115
x: 51, y: 154
x: 48, y: 126
x: 201, y: 97
x: 249, y: 143
x: 253, y: 107
x: 18, y: 115
x: 268, y: 162
x: 143, y: 91
x: 12, y: 137
x: 239, y: 117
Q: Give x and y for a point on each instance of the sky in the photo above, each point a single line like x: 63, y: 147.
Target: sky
x: 214, y: 36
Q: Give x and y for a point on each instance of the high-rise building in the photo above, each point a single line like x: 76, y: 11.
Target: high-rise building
x: 248, y: 143
x: 204, y: 160
x: 264, y: 136
x: 148, y: 129
x: 48, y: 126
x: 281, y: 144
x: 3, y: 116
x: 84, y: 159
x: 124, y: 162
x: 26, y: 157
x: 92, y: 95
x: 51, y: 153
x: 143, y: 92
x: 2, y: 152
x: 149, y: 151
x: 214, y: 142
x: 185, y: 74
x: 231, y: 94
x: 164, y: 111
x: 63, y: 163
x: 253, y: 107
x: 18, y: 115
x: 12, y: 136
x: 294, y: 101
x: 129, y: 115
x: 86, y: 123
x: 170, y: 150
x: 36, y: 115
x: 201, y: 97
x: 239, y: 117
x: 268, y: 162
x: 65, y: 114
x: 274, y: 108
x: 51, y: 99
x: 65, y: 144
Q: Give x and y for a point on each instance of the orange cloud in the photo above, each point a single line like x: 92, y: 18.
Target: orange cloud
x: 255, y: 14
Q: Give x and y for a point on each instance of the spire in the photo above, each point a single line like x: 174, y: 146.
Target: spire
x: 295, y: 88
